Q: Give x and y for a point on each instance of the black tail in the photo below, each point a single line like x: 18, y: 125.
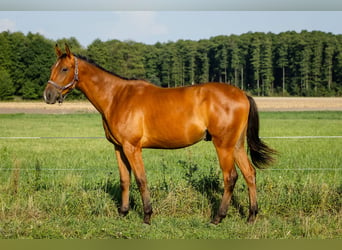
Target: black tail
x: 260, y: 153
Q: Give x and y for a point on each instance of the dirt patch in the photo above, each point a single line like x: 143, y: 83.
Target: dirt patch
x: 264, y: 104
x: 43, y: 108
x: 299, y: 103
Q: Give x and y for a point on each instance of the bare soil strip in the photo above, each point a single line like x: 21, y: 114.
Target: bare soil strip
x: 299, y: 103
x: 43, y: 108
x: 264, y: 104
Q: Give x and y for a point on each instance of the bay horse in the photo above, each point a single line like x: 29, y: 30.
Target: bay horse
x: 137, y: 114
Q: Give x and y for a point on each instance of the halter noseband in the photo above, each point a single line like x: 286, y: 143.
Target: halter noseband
x: 70, y: 84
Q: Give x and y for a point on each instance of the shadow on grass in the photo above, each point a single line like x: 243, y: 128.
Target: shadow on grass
x: 207, y: 184
x: 210, y: 186
x: 113, y: 189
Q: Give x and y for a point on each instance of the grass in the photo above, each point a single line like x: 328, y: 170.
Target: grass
x: 69, y: 188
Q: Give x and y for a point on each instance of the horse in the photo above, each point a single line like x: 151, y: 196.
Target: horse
x: 137, y: 114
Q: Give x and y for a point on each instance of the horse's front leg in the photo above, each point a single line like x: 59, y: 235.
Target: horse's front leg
x: 125, y: 180
x: 134, y: 157
x: 230, y: 176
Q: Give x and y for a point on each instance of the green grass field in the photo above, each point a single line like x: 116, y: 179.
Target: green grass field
x: 69, y: 188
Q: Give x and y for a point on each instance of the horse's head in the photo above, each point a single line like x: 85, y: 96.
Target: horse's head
x: 63, y: 78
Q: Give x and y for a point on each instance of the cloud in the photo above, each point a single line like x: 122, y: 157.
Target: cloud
x: 7, y: 24
x: 137, y: 25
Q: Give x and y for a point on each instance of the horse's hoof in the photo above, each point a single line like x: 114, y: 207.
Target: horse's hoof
x: 217, y: 220
x: 251, y: 219
x: 147, y: 219
x: 122, y: 213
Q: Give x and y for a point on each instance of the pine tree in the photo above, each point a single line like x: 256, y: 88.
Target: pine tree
x: 202, y: 61
x: 266, y: 66
x: 256, y: 62
x: 282, y: 58
x: 306, y: 63
x: 329, y: 51
x: 235, y: 61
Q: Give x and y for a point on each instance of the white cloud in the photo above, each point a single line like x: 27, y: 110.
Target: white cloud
x: 7, y: 24
x: 137, y: 25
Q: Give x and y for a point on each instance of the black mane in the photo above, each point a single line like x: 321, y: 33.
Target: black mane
x: 100, y: 67
x: 91, y: 61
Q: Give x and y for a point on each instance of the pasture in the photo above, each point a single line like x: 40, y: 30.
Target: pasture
x: 59, y: 179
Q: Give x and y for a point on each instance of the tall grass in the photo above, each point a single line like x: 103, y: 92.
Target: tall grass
x: 69, y: 188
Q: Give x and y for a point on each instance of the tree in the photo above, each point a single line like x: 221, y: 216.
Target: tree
x: 38, y: 57
x: 165, y: 65
x: 29, y: 90
x: 188, y: 51
x: 220, y: 58
x: 329, y: 50
x: 316, y: 61
x: 134, y: 60
x: 239, y: 50
x: 98, y: 52
x: 235, y: 61
x: 305, y: 63
x: 202, y: 62
x: 5, y: 50
x: 266, y: 66
x: 282, y: 58
x: 151, y: 55
x: 72, y: 42
x: 255, y: 61
x: 337, y: 65
x: 18, y: 64
x: 6, y: 85
x: 177, y: 66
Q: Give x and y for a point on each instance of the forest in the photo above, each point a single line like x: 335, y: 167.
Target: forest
x: 263, y: 64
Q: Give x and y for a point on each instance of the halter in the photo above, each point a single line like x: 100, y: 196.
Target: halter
x: 70, y: 84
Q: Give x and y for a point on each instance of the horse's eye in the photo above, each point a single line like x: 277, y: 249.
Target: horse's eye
x: 64, y: 69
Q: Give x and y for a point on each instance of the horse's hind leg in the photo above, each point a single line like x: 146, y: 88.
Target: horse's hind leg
x: 248, y: 171
x: 226, y: 159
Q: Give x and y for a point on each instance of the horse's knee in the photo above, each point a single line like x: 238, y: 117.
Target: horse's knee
x: 230, y: 180
x: 233, y: 176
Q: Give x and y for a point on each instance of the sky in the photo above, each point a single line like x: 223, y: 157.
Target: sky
x: 150, y: 27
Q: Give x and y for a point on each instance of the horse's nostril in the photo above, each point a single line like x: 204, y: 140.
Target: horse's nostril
x: 49, y: 97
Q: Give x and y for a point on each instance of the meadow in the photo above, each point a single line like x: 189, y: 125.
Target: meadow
x: 59, y: 180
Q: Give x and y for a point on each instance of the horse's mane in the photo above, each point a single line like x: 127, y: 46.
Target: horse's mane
x: 91, y: 61
x: 98, y: 66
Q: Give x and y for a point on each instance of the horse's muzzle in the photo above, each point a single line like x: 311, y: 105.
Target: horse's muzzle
x: 52, y: 95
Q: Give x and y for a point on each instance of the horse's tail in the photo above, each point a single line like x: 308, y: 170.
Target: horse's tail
x: 260, y: 153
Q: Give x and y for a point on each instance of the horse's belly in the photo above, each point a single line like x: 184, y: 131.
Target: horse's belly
x: 173, y: 137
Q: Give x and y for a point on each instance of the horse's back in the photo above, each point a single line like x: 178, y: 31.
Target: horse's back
x: 179, y: 117
x: 194, y: 93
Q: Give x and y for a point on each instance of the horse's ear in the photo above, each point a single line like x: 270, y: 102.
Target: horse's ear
x: 67, y: 50
x: 58, y: 51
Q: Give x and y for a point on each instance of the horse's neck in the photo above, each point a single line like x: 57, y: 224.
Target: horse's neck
x: 98, y: 86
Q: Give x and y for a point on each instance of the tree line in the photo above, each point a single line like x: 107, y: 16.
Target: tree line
x: 263, y: 64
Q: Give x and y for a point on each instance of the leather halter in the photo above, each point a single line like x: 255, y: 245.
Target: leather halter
x: 70, y: 84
